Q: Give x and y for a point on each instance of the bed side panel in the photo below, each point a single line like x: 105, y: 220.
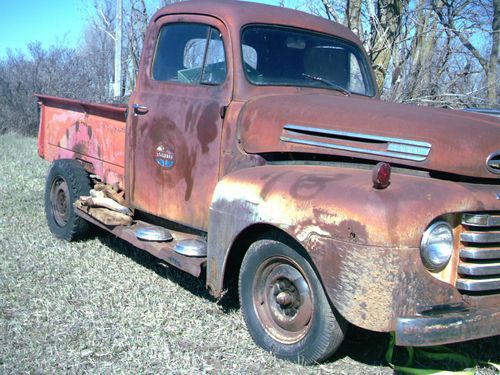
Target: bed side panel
x: 79, y: 134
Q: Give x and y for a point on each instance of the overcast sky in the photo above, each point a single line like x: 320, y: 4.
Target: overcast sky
x: 48, y: 21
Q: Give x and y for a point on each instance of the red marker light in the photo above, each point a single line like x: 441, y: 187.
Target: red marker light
x: 381, y: 175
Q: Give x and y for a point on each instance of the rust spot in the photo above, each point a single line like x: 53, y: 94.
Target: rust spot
x: 346, y: 230
x: 89, y: 133
x: 191, y: 161
x: 80, y: 148
x: 271, y: 182
x: 189, y: 118
x: 207, y: 126
x: 241, y: 161
x: 308, y: 186
x: 213, y: 269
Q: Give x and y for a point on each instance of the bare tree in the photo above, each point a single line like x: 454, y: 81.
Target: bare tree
x: 55, y: 71
x: 136, y: 25
x: 430, y: 52
x: 427, y: 51
x: 464, y: 18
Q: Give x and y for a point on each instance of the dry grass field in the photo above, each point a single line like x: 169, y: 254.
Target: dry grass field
x: 101, y: 306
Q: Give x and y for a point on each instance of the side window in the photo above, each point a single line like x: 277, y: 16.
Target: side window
x: 250, y: 56
x: 190, y: 54
x: 215, y: 62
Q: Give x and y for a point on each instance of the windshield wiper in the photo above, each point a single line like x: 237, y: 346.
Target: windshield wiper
x: 329, y: 83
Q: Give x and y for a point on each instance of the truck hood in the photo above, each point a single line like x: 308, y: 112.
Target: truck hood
x: 427, y: 138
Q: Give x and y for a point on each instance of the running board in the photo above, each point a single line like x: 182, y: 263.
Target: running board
x: 163, y: 250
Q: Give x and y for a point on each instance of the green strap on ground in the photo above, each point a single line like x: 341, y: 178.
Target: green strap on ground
x: 435, y: 354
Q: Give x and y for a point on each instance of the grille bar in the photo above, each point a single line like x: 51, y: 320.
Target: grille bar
x: 479, y: 269
x: 481, y: 220
x: 479, y: 285
x: 480, y: 237
x: 479, y: 266
x: 479, y: 253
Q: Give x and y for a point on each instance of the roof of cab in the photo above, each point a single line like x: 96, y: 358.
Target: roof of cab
x: 236, y: 14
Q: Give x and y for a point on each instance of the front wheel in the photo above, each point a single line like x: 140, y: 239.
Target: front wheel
x: 284, y: 304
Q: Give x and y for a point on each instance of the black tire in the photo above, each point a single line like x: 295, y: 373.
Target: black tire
x: 66, y: 182
x: 284, y: 305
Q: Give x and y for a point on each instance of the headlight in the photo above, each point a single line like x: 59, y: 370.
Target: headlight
x: 437, y: 246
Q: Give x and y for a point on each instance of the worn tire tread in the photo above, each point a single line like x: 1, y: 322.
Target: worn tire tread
x: 79, y: 184
x: 334, y: 326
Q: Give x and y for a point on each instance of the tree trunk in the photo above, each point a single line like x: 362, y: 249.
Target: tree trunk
x: 386, y: 26
x: 354, y: 17
x: 493, y: 61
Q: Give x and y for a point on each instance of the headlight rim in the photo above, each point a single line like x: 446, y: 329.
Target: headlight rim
x: 424, y: 247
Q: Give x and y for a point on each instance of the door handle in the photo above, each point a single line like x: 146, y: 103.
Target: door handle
x: 139, y: 109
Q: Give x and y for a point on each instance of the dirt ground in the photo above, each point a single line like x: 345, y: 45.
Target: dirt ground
x: 102, y: 306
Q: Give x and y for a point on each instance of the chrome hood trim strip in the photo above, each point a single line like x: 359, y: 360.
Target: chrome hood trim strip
x: 395, y: 147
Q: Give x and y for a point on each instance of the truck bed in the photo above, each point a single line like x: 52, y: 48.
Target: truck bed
x: 93, y: 133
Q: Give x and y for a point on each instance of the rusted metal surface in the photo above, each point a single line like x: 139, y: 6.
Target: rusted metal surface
x: 363, y: 242
x: 112, y: 111
x: 372, y: 286
x: 185, y: 121
x: 94, y: 133
x: 162, y: 250
x: 447, y: 326
x: 232, y: 156
x: 455, y: 146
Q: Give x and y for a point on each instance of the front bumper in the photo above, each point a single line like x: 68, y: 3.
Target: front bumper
x: 444, y: 326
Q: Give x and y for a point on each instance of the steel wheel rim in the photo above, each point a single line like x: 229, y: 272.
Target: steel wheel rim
x: 59, y: 198
x: 283, y: 300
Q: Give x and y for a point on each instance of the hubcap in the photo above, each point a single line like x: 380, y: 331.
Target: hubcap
x: 283, y: 300
x: 59, y: 198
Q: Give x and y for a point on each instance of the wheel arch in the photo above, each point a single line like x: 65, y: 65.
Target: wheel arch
x: 284, y: 303
x: 245, y: 239
x: 249, y: 203
x: 239, y: 246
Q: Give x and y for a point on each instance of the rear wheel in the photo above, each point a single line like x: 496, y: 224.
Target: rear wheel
x: 284, y: 304
x: 66, y: 182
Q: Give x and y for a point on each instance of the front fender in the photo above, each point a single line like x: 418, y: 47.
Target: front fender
x: 363, y: 242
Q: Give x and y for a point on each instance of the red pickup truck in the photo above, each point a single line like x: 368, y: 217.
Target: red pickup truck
x: 255, y: 151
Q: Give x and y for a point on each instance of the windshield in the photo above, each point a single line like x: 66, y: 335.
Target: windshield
x: 291, y: 57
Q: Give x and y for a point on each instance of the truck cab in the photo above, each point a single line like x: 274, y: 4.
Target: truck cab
x: 255, y: 137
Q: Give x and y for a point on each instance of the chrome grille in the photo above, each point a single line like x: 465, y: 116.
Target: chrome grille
x: 479, y: 266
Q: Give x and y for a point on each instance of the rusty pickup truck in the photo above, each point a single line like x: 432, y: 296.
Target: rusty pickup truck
x: 255, y: 151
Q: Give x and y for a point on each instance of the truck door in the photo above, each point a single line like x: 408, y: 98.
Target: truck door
x: 175, y: 118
